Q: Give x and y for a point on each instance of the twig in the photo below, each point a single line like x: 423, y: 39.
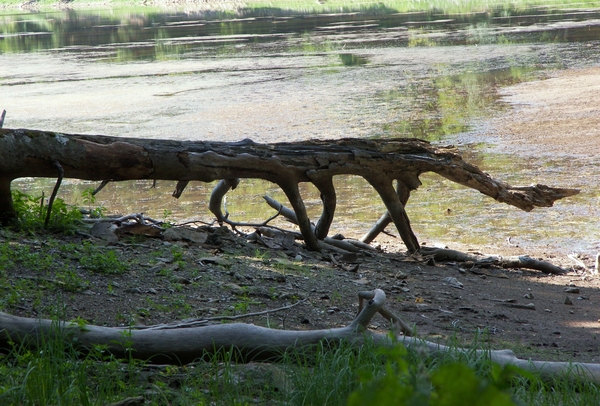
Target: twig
x: 199, y: 322
x: 255, y: 225
x: 185, y: 223
x: 61, y: 174
x: 138, y: 217
x: 40, y: 278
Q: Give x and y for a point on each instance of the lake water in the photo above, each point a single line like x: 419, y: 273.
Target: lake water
x: 273, y: 75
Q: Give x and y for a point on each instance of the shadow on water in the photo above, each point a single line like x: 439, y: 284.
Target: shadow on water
x: 435, y: 102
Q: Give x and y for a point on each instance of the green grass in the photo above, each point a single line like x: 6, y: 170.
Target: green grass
x: 56, y: 374
x: 31, y: 213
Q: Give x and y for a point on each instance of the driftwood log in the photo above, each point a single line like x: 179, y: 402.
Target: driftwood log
x: 31, y: 153
x: 184, y: 345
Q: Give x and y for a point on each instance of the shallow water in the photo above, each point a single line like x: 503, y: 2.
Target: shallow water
x: 272, y: 76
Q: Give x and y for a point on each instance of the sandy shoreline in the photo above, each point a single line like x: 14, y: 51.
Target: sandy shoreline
x: 556, y: 116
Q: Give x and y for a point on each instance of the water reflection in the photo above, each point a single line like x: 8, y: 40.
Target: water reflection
x: 353, y: 60
x: 130, y: 35
x: 447, y: 105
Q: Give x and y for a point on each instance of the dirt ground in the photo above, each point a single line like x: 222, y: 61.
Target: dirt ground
x: 539, y: 316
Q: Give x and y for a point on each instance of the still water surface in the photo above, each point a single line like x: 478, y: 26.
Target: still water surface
x: 274, y: 75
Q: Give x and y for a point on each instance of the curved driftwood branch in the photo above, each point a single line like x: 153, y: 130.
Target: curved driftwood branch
x: 216, y: 197
x: 179, y: 188
x: 185, y: 345
x: 403, y: 192
x: 576, y: 371
x: 324, y: 182
x: 377, y: 228
x: 293, y: 194
x: 30, y: 153
x: 521, y: 261
x: 100, y: 187
x: 344, y: 244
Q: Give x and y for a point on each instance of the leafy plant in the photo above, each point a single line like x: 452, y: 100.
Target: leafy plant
x: 89, y: 198
x: 31, y: 213
x: 70, y: 281
x: 106, y: 262
x: 449, y: 384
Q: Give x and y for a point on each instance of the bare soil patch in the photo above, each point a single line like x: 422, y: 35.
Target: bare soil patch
x: 166, y: 281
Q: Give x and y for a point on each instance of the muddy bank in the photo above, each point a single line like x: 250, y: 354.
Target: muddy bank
x: 558, y: 116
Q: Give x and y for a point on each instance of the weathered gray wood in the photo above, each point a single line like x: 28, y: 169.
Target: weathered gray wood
x: 185, y: 345
x: 385, y: 219
x: 31, y: 153
x: 520, y: 261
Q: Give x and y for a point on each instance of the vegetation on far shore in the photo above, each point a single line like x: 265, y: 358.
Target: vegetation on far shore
x: 308, y: 6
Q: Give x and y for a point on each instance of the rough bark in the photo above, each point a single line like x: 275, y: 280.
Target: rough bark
x: 521, y: 261
x: 185, y: 345
x: 30, y: 153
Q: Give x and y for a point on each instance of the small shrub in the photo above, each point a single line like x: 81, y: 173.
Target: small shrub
x: 449, y: 384
x: 31, y: 213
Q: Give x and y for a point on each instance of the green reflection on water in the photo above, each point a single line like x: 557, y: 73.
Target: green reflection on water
x: 353, y: 60
x: 447, y: 105
x: 140, y: 34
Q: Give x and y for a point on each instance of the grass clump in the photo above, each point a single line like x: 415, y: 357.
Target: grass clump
x: 97, y: 260
x: 52, y: 372
x: 328, y: 374
x: 31, y: 214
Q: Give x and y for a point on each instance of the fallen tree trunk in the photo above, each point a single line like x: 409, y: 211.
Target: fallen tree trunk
x: 185, y: 345
x: 30, y: 153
